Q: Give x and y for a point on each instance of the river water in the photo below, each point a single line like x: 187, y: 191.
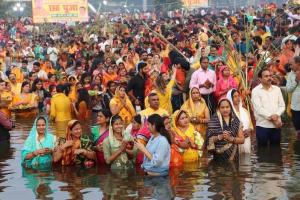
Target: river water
x: 267, y: 174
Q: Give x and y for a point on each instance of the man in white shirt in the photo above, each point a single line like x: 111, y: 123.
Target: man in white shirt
x: 268, y: 106
x: 40, y: 73
x: 53, y: 53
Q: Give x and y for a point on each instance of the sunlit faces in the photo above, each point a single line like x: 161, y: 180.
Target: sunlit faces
x: 266, y: 77
x: 26, y: 88
x: 226, y: 72
x: 167, y: 123
x: 77, y: 130
x: 154, y: 102
x: 101, y: 119
x: 122, y: 92
x: 183, y: 120
x: 118, y: 126
x: 195, y: 93
x: 41, y: 126
x: 225, y: 108
x: 236, y: 98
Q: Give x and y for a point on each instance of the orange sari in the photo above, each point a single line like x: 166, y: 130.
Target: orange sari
x: 28, y: 110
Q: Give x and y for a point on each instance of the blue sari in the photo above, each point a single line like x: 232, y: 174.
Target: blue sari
x: 32, y: 144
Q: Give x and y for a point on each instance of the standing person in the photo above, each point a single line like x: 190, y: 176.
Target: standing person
x: 224, y: 133
x: 122, y: 106
x: 115, y: 146
x: 136, y: 86
x: 82, y: 106
x: 15, y: 86
x: 157, y: 153
x: 225, y: 83
x: 53, y: 53
x: 244, y: 116
x: 38, y: 89
x: 268, y: 106
x: 293, y: 86
x: 60, y: 110
x: 100, y: 132
x: 205, y: 80
x: 109, y: 94
x: 39, y: 145
x: 154, y: 107
x: 5, y: 125
x: 75, y: 148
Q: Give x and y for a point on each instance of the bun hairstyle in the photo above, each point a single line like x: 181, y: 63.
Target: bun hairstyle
x: 158, y: 122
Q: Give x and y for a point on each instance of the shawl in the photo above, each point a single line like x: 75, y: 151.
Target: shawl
x: 216, y: 126
x: 242, y: 115
x: 190, y: 107
x: 32, y: 144
x: 126, y: 115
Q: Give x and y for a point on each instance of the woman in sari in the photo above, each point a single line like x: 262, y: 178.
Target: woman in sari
x: 225, y: 83
x: 73, y: 90
x: 224, y: 133
x: 82, y: 106
x: 122, y: 106
x: 25, y: 103
x: 75, y: 149
x: 100, y: 132
x: 40, y: 92
x: 185, y: 132
x: 118, y: 152
x: 244, y: 116
x: 109, y: 75
x: 198, y: 111
x: 38, y: 147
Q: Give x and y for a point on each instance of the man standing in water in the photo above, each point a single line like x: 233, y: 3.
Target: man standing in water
x: 60, y: 110
x: 268, y: 106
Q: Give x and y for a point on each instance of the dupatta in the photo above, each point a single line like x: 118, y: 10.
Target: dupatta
x: 32, y: 144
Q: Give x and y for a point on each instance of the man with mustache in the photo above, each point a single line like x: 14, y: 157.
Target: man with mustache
x: 268, y: 106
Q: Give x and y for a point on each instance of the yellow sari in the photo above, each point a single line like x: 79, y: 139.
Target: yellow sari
x: 189, y: 155
x: 126, y: 115
x: 7, y: 98
x: 197, y: 111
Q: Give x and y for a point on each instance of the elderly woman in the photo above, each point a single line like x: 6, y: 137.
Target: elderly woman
x: 38, y: 147
x: 224, y: 133
x: 75, y: 148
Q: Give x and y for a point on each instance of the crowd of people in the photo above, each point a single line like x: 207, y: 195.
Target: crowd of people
x: 164, y: 90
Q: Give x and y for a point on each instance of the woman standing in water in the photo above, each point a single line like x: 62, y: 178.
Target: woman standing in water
x: 118, y: 153
x: 100, y: 132
x: 38, y: 147
x: 224, y: 133
x: 157, y: 152
x: 75, y: 148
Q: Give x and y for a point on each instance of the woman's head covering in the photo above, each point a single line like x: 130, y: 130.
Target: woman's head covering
x: 32, y: 143
x: 191, y: 103
x: 242, y: 115
x: 69, y: 128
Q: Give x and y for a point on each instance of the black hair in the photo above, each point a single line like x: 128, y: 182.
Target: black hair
x: 41, y: 118
x: 233, y: 92
x: 158, y: 122
x: 258, y: 39
x: 152, y: 94
x: 115, y: 118
x: 51, y: 88
x: 24, y: 84
x: 74, y: 124
x: 83, y: 95
x: 138, y: 119
x: 261, y: 71
x: 203, y: 58
x: 141, y: 66
x: 35, y: 82
x: 60, y: 88
x: 107, y: 113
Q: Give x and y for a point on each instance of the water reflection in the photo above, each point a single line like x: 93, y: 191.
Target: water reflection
x: 269, y: 173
